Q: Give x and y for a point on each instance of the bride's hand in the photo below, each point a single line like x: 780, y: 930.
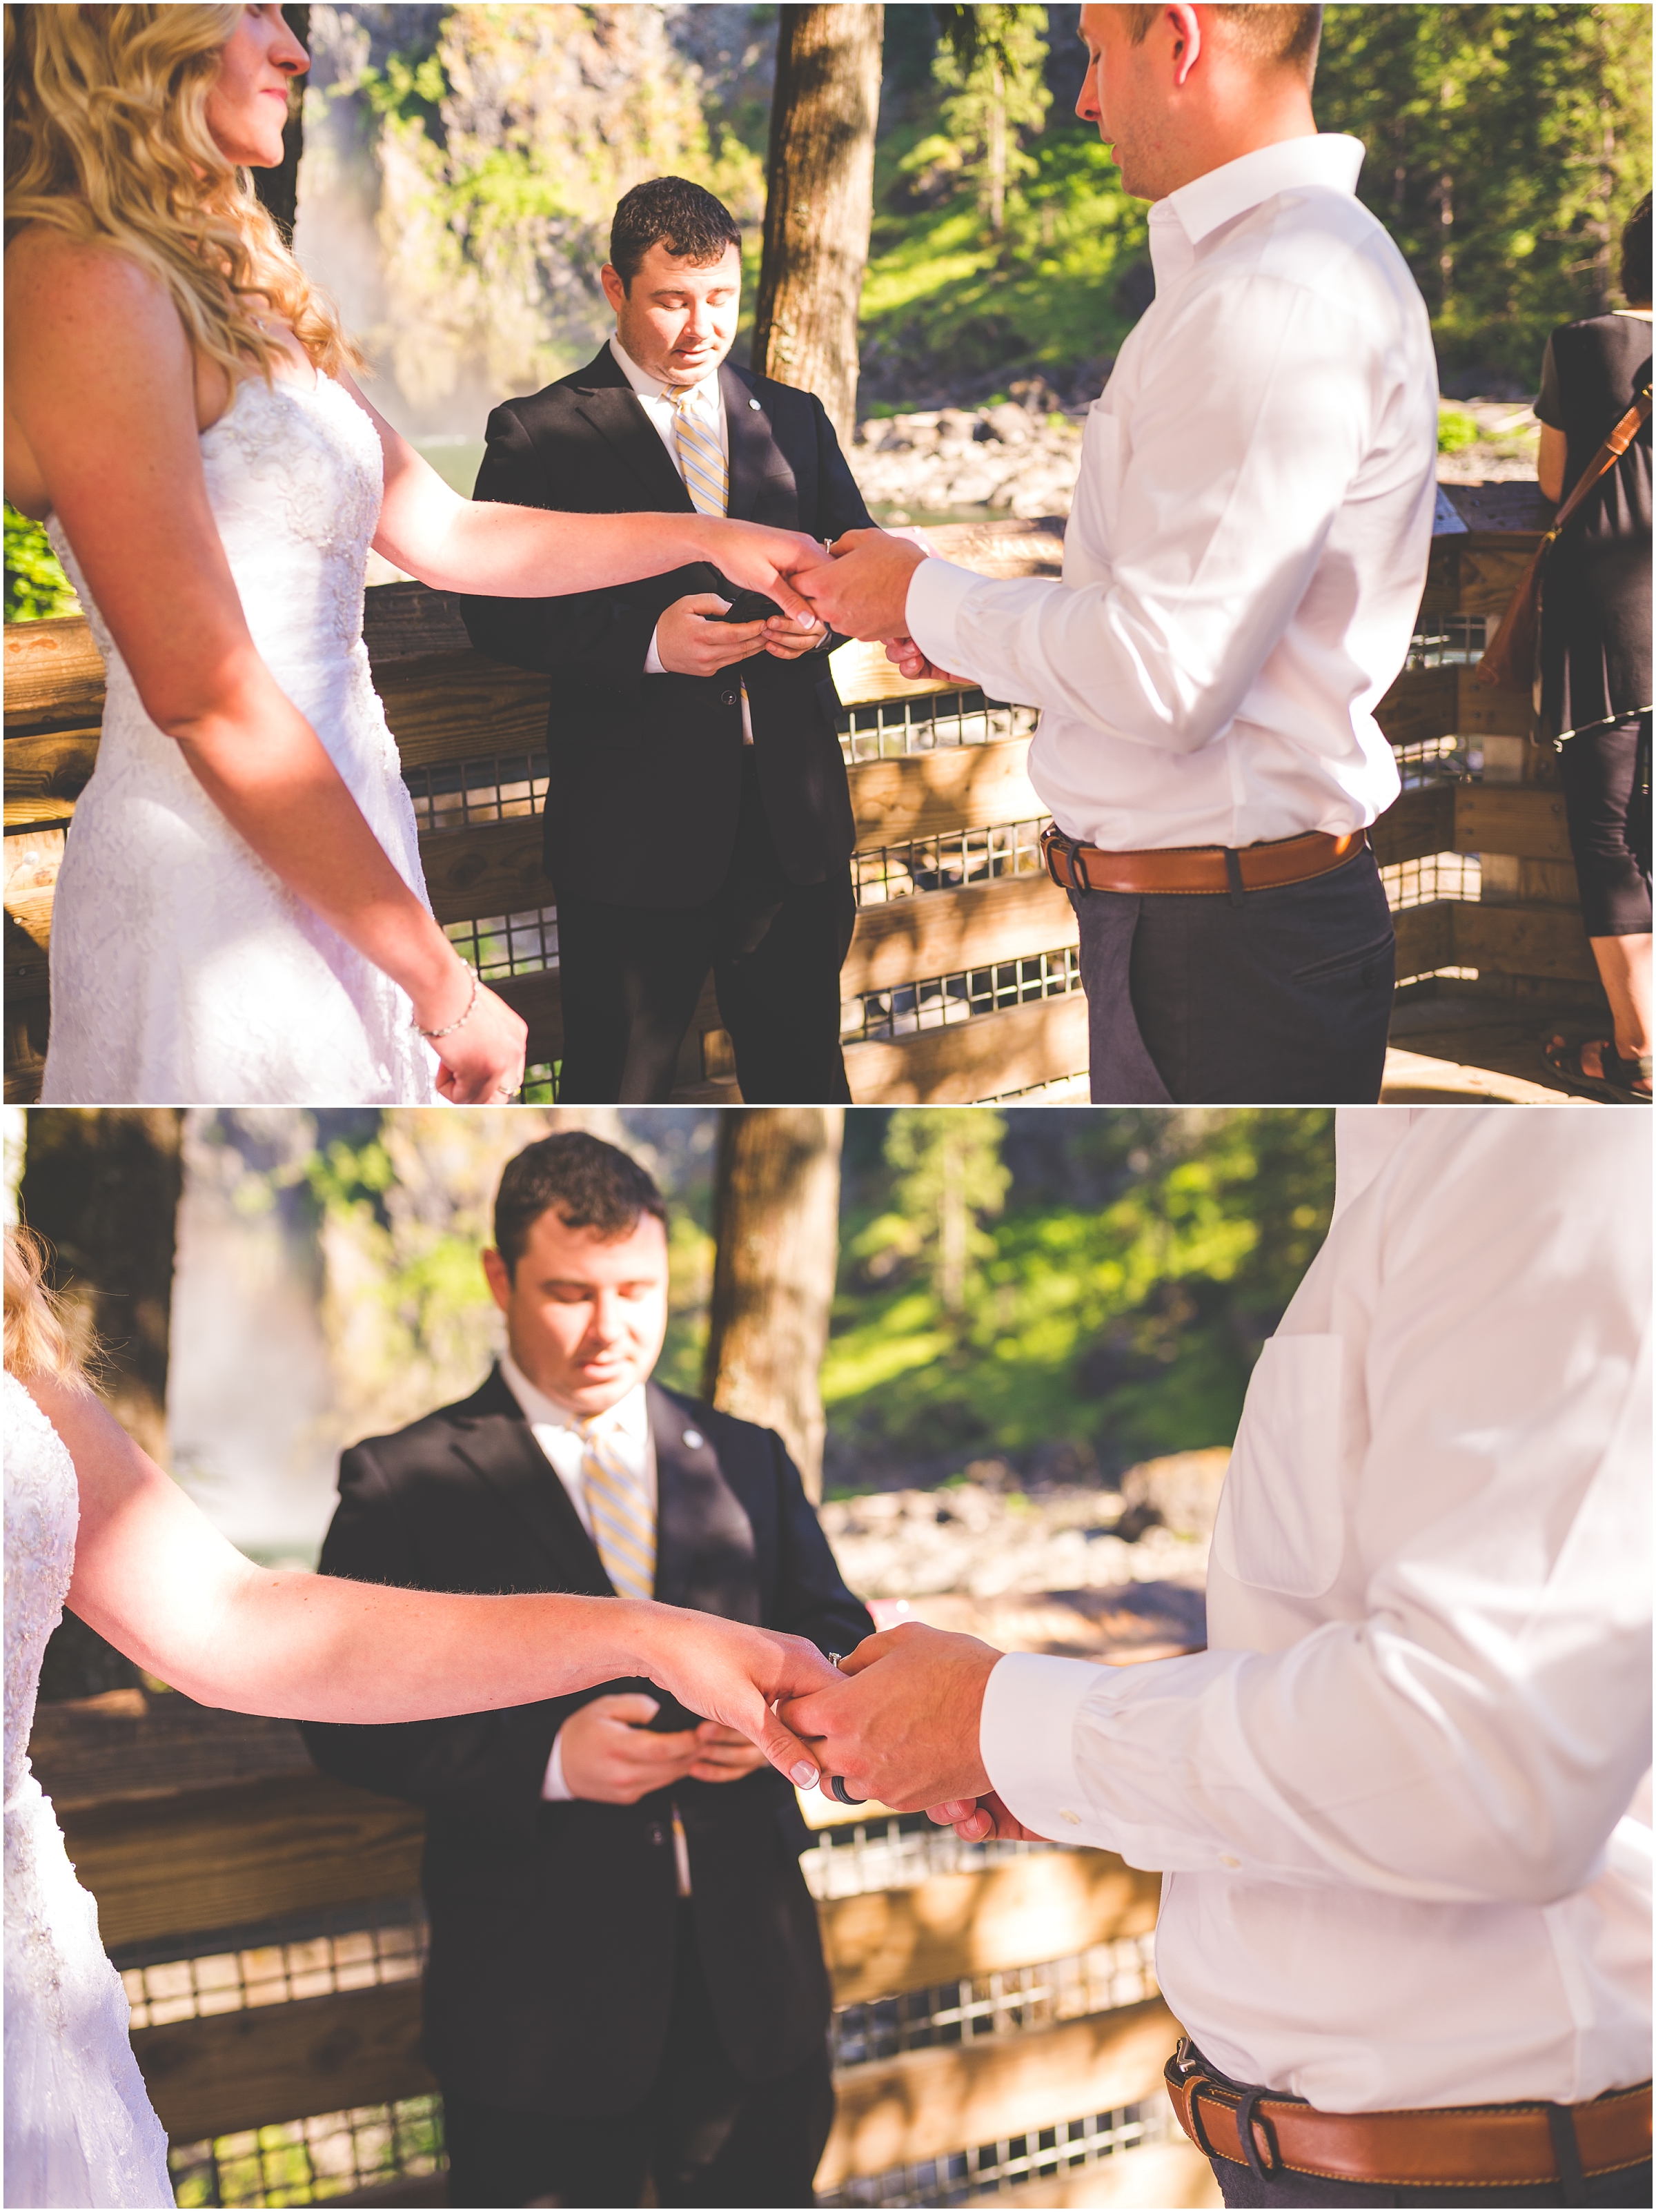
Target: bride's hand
x: 760, y: 559
x: 735, y: 1675
x: 483, y: 1055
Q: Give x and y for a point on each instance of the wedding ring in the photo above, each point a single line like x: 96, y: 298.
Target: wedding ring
x: 836, y: 1783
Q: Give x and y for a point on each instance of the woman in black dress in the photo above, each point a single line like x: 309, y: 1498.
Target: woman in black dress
x: 1595, y: 652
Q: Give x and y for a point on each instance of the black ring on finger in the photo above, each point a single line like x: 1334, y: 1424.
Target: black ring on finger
x: 836, y: 1783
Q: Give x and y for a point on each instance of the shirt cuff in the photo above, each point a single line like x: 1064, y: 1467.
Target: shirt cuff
x: 937, y: 592
x: 555, y: 1791
x: 1027, y: 1735
x: 652, y: 662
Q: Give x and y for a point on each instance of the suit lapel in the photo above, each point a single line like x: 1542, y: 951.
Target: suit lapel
x: 609, y: 404
x: 705, y: 1555
x: 498, y: 1445
x: 759, y: 467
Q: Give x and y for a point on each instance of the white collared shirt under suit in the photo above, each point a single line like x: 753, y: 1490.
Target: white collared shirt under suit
x: 1402, y: 1800
x: 1241, y: 573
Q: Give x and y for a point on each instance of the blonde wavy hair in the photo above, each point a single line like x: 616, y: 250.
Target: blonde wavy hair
x: 107, y: 139
x: 37, y: 1340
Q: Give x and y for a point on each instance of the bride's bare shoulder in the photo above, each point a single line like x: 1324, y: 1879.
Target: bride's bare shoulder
x: 54, y: 277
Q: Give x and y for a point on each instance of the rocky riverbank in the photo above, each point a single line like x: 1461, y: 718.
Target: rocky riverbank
x: 1021, y: 460
x: 980, y: 1537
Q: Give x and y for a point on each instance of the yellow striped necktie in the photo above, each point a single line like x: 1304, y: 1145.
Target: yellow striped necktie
x: 705, y: 477
x: 624, y: 1519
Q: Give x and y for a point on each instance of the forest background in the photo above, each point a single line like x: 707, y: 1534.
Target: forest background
x: 461, y: 164
x: 1034, y: 1298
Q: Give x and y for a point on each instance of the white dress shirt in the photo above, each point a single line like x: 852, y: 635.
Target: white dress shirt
x: 559, y: 1437
x: 1394, y: 1797
x: 706, y: 405
x: 1245, y: 558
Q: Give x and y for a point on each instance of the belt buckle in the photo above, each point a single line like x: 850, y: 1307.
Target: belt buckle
x: 1056, y: 842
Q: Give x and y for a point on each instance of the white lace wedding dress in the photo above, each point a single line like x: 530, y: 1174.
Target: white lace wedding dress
x: 79, y: 2129
x: 183, y: 971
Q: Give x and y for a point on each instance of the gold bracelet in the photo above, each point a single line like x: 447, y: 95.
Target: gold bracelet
x: 449, y: 1028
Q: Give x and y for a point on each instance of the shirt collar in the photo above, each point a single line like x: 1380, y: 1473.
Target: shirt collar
x: 652, y: 387
x: 630, y: 1414
x: 1331, y: 161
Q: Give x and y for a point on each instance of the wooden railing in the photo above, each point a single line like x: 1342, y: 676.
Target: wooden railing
x: 447, y: 706
x: 191, y: 1827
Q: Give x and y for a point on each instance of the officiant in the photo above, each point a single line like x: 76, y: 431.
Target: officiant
x: 698, y: 817
x: 626, y: 1978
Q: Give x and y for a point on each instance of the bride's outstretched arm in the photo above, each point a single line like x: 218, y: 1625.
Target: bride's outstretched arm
x: 103, y: 420
x: 154, y: 1578
x: 493, y: 552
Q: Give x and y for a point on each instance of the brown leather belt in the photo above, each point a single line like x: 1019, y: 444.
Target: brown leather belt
x: 1204, y: 871
x: 1472, y: 2146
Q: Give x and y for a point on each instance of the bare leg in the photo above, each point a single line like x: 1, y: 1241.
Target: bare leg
x: 1624, y: 969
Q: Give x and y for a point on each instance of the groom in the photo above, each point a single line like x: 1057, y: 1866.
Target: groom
x: 697, y: 817
x: 626, y: 1978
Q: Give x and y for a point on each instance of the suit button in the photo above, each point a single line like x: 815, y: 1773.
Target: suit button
x: 658, y: 1833
x: 727, y: 698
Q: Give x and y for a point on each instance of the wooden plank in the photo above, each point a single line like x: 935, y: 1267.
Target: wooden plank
x: 1487, y: 576
x: 863, y: 676
x: 494, y: 867
x: 54, y: 675
x: 1441, y: 592
x: 958, y: 788
x: 1415, y: 824
x: 224, y: 1858
x: 410, y: 622
x: 44, y: 776
x: 925, y: 2103
x: 1524, y: 819
x: 284, y: 2062
x: 1503, y: 513
x: 984, y: 1058
x: 1523, y: 941
x: 1023, y: 1911
x: 462, y: 707
x: 1425, y: 938
x: 134, y: 1744
x: 1479, y: 710
x: 941, y: 933
x: 1420, y: 706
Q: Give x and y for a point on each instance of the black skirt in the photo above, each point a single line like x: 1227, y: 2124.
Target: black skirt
x: 1595, y: 626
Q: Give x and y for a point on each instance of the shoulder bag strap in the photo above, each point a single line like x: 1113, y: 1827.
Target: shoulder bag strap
x: 1607, y: 456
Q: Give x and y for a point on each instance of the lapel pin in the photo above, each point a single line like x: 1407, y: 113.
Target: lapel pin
x: 754, y: 404
x: 693, y: 1439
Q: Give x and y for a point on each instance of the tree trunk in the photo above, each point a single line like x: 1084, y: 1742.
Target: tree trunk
x: 819, y: 202
x: 278, y: 189
x: 102, y: 1187
x: 776, y: 1204
x: 996, y: 164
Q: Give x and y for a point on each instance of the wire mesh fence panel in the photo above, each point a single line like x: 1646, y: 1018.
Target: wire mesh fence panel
x: 938, y: 1000
x: 459, y: 794
x: 949, y: 862
x: 352, y: 1947
x: 897, y: 1852
x: 508, y: 944
x: 891, y: 729
x: 308, y: 2162
x: 962, y: 2176
x: 1100, y: 1979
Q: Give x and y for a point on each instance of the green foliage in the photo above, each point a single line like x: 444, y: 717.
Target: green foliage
x: 1455, y: 430
x: 949, y: 1173
x: 36, y: 587
x: 995, y: 92
x: 1506, y: 146
x: 1130, y: 1322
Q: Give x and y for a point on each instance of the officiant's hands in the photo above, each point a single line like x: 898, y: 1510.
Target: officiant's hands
x: 691, y: 640
x: 610, y: 1756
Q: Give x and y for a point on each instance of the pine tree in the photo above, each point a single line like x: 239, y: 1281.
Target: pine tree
x: 996, y: 77
x: 949, y: 1172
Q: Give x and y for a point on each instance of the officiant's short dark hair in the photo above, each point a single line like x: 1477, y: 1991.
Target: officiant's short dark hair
x: 587, y: 1183
x: 669, y: 211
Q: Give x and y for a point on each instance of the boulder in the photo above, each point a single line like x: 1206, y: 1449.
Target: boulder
x: 1181, y: 1493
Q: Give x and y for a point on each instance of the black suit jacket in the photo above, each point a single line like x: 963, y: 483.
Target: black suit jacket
x: 552, y: 1926
x: 645, y: 771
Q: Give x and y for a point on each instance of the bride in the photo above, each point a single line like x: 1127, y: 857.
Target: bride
x: 240, y: 917
x: 91, y: 1523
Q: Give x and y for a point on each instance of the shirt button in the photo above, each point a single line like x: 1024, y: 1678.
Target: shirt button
x: 1226, y: 1861
x: 1074, y: 1818
x: 693, y: 1439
